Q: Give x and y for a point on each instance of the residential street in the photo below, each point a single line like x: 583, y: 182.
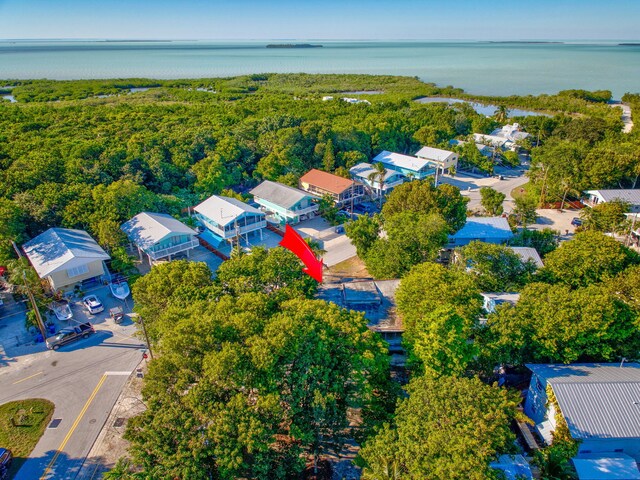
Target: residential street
x: 83, y: 380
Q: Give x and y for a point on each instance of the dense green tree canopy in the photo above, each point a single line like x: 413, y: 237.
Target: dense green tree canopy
x: 423, y: 197
x: 492, y: 200
x: 448, y: 428
x: 555, y: 324
x: 589, y: 258
x: 495, y: 268
x: 429, y: 286
x: 608, y: 217
x: 412, y: 238
x: 241, y: 387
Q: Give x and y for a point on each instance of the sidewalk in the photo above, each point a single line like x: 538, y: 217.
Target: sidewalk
x: 110, y: 446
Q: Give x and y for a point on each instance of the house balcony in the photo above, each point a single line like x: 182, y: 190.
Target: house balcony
x: 165, y: 252
x: 305, y: 211
x: 242, y: 229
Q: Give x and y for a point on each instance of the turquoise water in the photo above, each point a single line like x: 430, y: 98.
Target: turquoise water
x: 477, y: 67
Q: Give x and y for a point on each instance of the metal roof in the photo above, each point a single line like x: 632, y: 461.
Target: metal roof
x: 59, y: 249
x: 146, y: 229
x: 597, y: 400
x: 484, y: 227
x: 401, y: 161
x: 528, y: 253
x: 435, y: 154
x: 279, y: 194
x: 326, y: 181
x: 224, y: 210
x: 606, y: 466
x: 631, y: 196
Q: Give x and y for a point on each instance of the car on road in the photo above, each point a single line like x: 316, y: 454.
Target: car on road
x: 6, y: 457
x: 61, y: 310
x: 68, y: 335
x: 93, y: 304
x: 576, y: 222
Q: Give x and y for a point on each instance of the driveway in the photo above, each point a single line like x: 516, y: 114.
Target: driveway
x: 82, y: 379
x: 470, y: 186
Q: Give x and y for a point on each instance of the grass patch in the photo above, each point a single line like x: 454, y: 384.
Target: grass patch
x: 521, y: 191
x: 352, y: 268
x: 22, y: 423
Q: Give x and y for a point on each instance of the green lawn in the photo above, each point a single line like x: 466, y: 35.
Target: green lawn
x: 520, y: 191
x: 21, y: 426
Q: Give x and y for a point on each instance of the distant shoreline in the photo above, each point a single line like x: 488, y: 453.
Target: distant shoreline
x: 293, y: 45
x: 526, y: 42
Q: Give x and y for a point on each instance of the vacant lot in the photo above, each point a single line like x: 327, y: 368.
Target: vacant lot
x: 21, y: 426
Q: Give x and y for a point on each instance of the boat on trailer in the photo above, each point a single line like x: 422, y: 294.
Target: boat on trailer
x: 120, y: 290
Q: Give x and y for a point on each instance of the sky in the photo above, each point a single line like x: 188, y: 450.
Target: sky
x: 327, y: 19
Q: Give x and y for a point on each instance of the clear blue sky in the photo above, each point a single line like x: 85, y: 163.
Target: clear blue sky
x: 327, y: 19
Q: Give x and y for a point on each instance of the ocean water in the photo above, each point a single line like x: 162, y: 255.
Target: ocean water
x: 477, y: 67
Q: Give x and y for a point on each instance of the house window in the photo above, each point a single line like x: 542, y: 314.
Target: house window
x: 539, y: 385
x: 77, y: 271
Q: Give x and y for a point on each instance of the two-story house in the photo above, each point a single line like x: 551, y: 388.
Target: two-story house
x: 284, y: 204
x: 227, y: 218
x: 159, y: 235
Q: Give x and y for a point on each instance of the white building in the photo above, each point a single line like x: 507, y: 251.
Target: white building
x: 367, y: 175
x: 630, y: 196
x: 227, y: 218
x: 512, y: 132
x: 444, y: 159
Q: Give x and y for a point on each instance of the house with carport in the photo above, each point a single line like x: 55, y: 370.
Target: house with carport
x: 284, y: 204
x: 226, y: 218
x: 66, y: 258
x: 159, y: 236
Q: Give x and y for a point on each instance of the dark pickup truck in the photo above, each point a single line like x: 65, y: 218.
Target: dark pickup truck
x: 69, y: 334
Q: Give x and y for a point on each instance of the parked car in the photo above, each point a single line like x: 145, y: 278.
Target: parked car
x: 93, y: 304
x: 68, y: 335
x: 6, y: 457
x: 61, y: 310
x: 576, y: 222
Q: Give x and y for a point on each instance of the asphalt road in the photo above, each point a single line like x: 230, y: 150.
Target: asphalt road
x: 83, y: 380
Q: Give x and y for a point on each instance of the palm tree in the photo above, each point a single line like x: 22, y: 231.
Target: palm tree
x: 501, y: 114
x: 381, y: 173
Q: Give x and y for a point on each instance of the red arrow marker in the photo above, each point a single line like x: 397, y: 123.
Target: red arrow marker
x: 301, y: 249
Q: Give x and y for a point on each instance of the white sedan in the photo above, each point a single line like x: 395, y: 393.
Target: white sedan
x: 93, y: 304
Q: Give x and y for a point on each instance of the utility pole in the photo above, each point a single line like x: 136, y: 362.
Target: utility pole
x: 36, y: 310
x: 146, y: 337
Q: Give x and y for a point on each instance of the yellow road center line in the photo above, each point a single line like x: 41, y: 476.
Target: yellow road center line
x: 31, y: 376
x: 73, y: 428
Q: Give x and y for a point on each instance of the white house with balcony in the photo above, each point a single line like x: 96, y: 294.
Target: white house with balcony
x: 367, y: 175
x: 159, y: 236
x: 67, y: 258
x: 226, y: 218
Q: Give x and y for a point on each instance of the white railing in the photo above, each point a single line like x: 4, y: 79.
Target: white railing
x: 165, y: 252
x: 304, y: 211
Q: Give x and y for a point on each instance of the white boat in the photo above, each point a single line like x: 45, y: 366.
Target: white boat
x: 61, y: 310
x: 120, y: 290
